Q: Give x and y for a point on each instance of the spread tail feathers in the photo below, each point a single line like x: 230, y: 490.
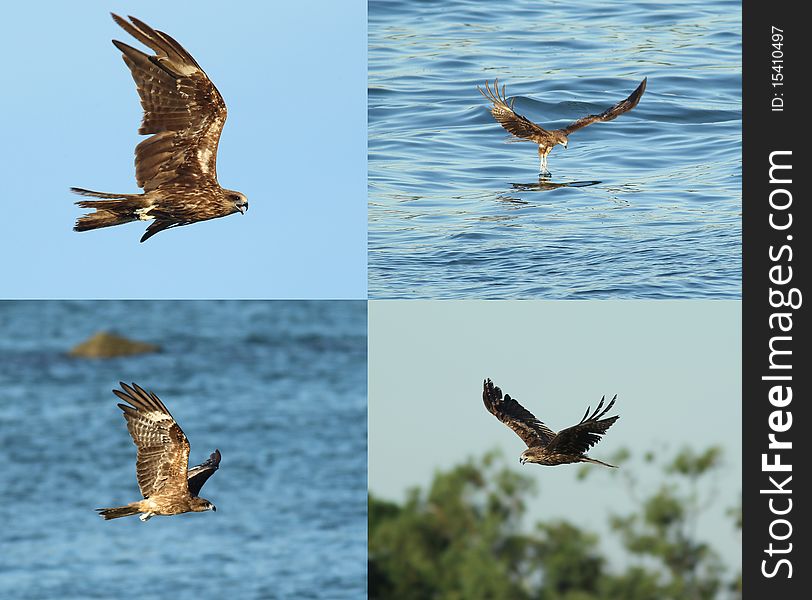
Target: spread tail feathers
x: 115, y: 209
x: 121, y: 511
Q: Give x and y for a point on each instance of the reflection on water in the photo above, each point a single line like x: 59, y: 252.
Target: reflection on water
x: 544, y: 184
x: 278, y: 387
x: 652, y: 207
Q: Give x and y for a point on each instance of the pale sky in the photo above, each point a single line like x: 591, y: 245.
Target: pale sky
x: 293, y: 75
x: 675, y: 366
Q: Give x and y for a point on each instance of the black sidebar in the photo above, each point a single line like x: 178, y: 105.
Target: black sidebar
x: 776, y: 228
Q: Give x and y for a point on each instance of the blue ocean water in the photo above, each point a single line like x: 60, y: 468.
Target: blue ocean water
x: 279, y: 387
x: 645, y: 206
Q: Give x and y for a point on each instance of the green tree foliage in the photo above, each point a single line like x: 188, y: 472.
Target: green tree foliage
x: 442, y: 543
x: 464, y: 538
x: 665, y: 527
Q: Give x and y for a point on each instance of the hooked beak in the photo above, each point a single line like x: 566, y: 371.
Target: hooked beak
x: 242, y: 208
x: 214, y: 508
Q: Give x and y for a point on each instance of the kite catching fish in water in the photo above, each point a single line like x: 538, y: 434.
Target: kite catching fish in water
x: 547, y: 139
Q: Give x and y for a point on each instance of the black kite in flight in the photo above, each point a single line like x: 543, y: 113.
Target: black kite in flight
x: 176, y: 166
x: 523, y: 128
x: 544, y: 446
x: 169, y: 487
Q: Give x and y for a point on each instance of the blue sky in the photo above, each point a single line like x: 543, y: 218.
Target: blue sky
x: 294, y: 78
x: 674, y: 365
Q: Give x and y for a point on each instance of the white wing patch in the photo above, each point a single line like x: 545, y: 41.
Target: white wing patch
x: 158, y: 417
x: 203, y: 157
x: 143, y: 213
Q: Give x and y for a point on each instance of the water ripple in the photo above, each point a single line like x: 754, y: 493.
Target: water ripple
x: 279, y: 387
x: 456, y: 212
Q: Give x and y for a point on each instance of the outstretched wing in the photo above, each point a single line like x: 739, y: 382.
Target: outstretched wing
x: 182, y: 108
x: 503, y: 112
x: 610, y: 113
x: 163, y: 450
x: 198, y: 475
x: 532, y: 431
x: 581, y: 437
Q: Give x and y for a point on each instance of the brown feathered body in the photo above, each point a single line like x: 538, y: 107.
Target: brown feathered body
x: 524, y: 129
x: 544, y: 446
x: 168, y: 486
x: 150, y: 507
x: 176, y: 167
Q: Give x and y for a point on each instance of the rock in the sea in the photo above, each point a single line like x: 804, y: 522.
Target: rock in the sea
x: 109, y: 345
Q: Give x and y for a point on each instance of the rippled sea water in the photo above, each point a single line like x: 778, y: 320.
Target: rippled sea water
x: 278, y: 387
x: 650, y: 205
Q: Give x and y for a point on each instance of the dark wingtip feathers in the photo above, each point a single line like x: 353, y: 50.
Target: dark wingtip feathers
x: 139, y: 398
x: 490, y: 390
x: 634, y: 99
x: 493, y: 94
x: 597, y: 414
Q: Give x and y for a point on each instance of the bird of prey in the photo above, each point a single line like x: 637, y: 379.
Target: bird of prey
x: 547, y: 139
x: 544, y: 446
x: 176, y: 166
x: 169, y: 487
